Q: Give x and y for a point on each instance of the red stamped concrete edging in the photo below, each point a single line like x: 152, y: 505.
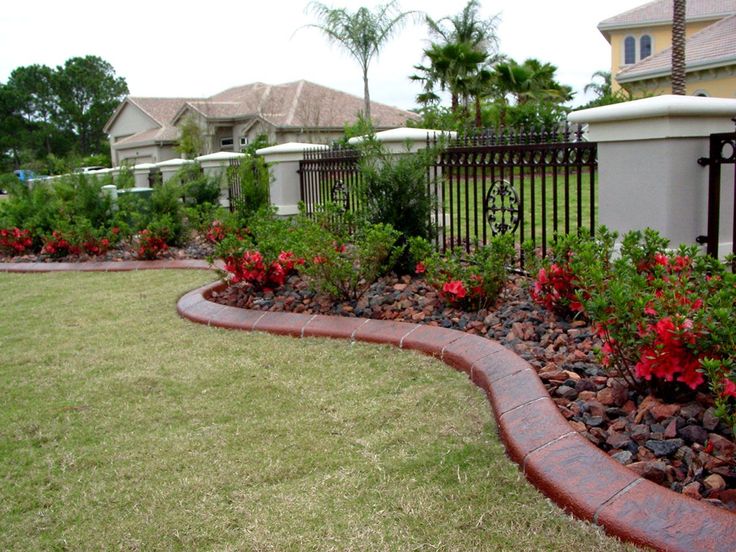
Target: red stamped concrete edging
x: 557, y: 460
x: 563, y: 465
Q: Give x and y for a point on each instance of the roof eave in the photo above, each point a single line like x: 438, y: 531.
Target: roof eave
x: 698, y: 66
x: 656, y: 22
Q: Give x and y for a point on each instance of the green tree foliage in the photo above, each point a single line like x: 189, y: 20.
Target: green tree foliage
x: 601, y: 86
x: 88, y: 93
x: 463, y: 49
x: 362, y: 33
x: 58, y: 111
x: 191, y: 139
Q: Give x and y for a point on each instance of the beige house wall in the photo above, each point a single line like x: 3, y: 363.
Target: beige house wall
x: 661, y: 39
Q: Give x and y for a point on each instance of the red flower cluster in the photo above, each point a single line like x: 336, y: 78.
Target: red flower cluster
x: 668, y: 357
x: 96, y: 247
x: 15, y: 240
x: 454, y: 291
x: 555, y: 290
x: 150, y: 246
x: 216, y: 232
x: 252, y: 269
x: 59, y: 246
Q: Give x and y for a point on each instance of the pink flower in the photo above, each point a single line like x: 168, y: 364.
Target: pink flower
x: 420, y: 268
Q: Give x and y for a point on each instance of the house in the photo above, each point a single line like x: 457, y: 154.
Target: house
x: 641, y: 48
x: 146, y: 130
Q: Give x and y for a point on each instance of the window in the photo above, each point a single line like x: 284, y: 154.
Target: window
x: 629, y: 50
x: 243, y: 141
x: 226, y: 143
x: 645, y: 46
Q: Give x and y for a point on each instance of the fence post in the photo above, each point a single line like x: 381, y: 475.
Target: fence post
x: 283, y: 161
x: 648, y: 170
x: 168, y: 168
x: 216, y: 165
x: 141, y: 173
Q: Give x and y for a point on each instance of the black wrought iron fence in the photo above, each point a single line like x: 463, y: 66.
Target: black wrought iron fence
x: 330, y: 175
x: 535, y: 184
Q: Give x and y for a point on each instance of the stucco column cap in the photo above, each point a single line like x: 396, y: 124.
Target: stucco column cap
x: 174, y: 163
x: 655, y: 118
x: 290, y: 151
x: 220, y: 156
x: 403, y: 134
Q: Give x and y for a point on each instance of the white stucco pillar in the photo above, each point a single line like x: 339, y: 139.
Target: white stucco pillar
x: 283, y: 161
x: 141, y: 173
x: 168, y: 168
x: 405, y: 140
x: 648, y: 169
x: 215, y: 165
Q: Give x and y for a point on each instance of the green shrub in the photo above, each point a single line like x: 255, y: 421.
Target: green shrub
x: 469, y: 280
x: 339, y: 267
x: 255, y: 182
x: 166, y: 202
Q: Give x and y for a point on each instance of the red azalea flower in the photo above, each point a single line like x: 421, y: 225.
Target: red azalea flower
x: 420, y: 268
x: 456, y: 288
x: 729, y: 388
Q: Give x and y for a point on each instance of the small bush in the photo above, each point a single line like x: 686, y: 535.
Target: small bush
x: 255, y: 182
x: 468, y: 280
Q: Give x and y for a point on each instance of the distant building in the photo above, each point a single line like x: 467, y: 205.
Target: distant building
x: 146, y: 130
x: 641, y: 48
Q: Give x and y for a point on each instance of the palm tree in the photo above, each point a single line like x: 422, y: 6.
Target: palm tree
x: 460, y: 59
x: 362, y: 33
x: 679, y: 76
x: 600, y: 89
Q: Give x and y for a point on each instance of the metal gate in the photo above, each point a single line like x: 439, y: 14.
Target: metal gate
x: 722, y: 151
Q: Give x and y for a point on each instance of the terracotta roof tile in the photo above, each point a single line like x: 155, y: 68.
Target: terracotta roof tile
x: 714, y: 44
x: 660, y: 11
x: 295, y: 104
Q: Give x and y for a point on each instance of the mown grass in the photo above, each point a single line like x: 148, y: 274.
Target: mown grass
x: 125, y: 427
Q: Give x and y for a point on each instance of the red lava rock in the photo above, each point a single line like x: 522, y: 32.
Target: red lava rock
x: 670, y: 431
x: 692, y: 490
x: 654, y: 470
x: 722, y: 446
x: 618, y: 440
x: 629, y: 407
x: 586, y: 395
x: 400, y: 287
x: 727, y: 496
x: 663, y: 411
x: 595, y: 408
x: 710, y: 420
x: 580, y: 427
x: 605, y: 396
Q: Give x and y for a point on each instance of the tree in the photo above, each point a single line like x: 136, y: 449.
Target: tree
x: 191, y: 139
x: 362, y: 33
x: 465, y: 48
x: 88, y: 91
x: 601, y: 86
x: 679, y: 75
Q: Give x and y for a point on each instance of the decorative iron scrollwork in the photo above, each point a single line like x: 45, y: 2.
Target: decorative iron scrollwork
x: 339, y: 195
x: 501, y: 207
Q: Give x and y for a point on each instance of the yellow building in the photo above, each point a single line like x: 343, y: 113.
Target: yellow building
x: 641, y: 48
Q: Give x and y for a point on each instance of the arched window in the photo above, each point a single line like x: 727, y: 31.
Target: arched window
x: 645, y: 46
x: 629, y: 50
x: 701, y: 94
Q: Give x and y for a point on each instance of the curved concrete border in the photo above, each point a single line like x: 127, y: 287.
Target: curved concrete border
x: 558, y: 461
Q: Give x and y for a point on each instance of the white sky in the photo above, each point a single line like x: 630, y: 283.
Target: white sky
x: 196, y: 49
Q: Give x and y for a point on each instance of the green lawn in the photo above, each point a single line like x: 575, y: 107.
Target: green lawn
x: 124, y: 427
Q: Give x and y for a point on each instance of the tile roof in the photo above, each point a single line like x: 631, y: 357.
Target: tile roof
x: 296, y: 104
x: 161, y: 110
x: 660, y: 11
x: 713, y: 46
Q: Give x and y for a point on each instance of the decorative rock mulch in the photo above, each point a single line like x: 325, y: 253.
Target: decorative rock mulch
x: 680, y: 446
x: 197, y: 248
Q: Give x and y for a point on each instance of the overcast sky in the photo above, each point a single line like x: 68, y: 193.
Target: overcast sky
x: 196, y: 49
